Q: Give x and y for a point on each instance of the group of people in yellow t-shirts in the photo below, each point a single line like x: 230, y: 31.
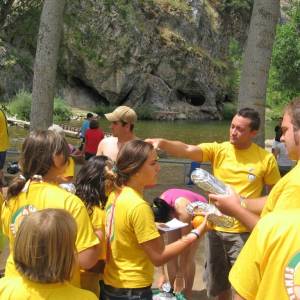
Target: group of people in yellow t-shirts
x: 59, y: 241
x: 62, y: 244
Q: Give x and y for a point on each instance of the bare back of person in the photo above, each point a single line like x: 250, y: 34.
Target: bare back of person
x: 109, y: 147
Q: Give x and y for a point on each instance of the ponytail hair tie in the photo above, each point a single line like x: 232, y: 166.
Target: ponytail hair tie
x: 22, y: 177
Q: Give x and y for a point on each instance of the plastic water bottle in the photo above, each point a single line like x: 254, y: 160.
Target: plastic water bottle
x: 208, y: 183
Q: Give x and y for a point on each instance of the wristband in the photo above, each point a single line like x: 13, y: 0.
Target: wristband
x: 196, y: 233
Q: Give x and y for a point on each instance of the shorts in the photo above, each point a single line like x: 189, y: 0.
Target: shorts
x: 222, y: 250
x: 111, y: 293
x: 2, y: 159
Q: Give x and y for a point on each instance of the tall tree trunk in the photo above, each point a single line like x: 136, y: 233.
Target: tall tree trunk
x: 46, y: 59
x: 257, y: 59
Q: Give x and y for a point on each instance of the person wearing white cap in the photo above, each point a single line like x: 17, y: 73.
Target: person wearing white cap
x: 122, y: 121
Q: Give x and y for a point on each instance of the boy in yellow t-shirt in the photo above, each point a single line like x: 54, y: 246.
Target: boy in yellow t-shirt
x: 268, y: 265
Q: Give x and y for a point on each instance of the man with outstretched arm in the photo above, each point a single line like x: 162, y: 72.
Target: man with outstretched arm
x: 241, y: 164
x: 283, y: 200
x: 286, y: 192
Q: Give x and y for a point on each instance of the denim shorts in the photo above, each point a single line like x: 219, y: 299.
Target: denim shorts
x: 222, y: 250
x: 2, y: 159
x: 111, y: 293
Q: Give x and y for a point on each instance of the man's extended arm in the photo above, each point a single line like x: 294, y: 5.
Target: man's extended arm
x: 177, y: 148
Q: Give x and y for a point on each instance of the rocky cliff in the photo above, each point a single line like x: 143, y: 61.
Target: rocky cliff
x: 170, y: 55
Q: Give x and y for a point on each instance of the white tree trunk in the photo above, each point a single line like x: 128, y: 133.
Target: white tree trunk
x: 45, y: 66
x: 257, y: 59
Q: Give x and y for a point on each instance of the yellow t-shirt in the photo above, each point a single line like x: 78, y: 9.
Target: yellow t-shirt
x: 2, y: 237
x: 285, y: 193
x: 4, y: 143
x: 70, y: 169
x: 19, y: 288
x: 128, y: 265
x: 90, y: 280
x: 247, y: 170
x: 45, y: 195
x: 98, y: 222
x: 267, y: 265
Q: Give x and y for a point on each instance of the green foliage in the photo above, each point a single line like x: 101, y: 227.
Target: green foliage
x: 145, y: 112
x: 284, y: 76
x: 229, y: 110
x: 61, y: 111
x: 103, y: 109
x: 286, y: 54
x: 234, y: 69
x: 20, y: 106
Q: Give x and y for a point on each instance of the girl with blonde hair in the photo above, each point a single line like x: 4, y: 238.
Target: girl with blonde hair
x: 45, y: 256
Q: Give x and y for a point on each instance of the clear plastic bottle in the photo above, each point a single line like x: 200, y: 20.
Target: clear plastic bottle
x: 214, y: 215
x: 209, y: 183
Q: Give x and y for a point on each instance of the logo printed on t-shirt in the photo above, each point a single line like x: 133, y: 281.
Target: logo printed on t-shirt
x: 19, y: 216
x: 251, y: 175
x: 292, y: 277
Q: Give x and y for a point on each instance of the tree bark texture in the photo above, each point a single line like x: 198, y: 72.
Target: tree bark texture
x: 257, y: 59
x: 45, y: 66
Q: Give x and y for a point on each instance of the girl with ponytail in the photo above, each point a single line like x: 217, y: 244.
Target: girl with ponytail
x: 134, y: 244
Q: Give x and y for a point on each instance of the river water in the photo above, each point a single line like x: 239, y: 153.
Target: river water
x: 191, y: 132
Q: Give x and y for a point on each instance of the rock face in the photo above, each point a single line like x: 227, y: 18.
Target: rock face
x: 168, y: 55
x: 155, y: 53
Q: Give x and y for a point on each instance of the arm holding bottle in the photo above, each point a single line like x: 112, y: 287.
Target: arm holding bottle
x: 233, y: 206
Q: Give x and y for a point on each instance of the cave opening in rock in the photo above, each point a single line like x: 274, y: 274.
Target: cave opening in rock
x: 197, y: 100
x: 193, y: 99
x: 92, y: 92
